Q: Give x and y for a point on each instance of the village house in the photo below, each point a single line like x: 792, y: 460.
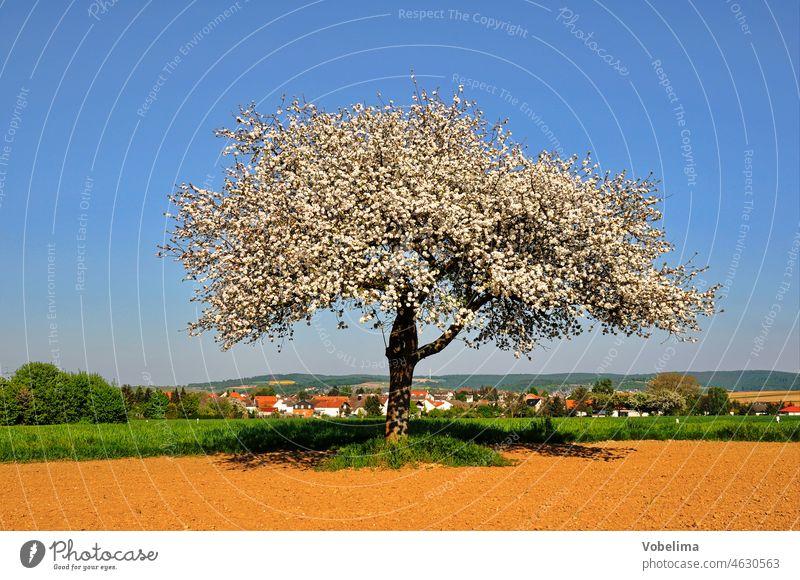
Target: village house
x: 792, y: 410
x: 331, y: 406
x: 469, y: 394
x: 430, y: 405
x: 285, y: 405
x: 535, y: 402
x: 357, y: 403
x: 266, y: 405
x: 420, y: 396
x: 303, y: 409
x: 244, y: 400
x: 572, y: 403
x: 624, y: 412
x: 237, y: 396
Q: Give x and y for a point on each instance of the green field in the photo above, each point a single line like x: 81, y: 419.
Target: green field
x: 182, y: 437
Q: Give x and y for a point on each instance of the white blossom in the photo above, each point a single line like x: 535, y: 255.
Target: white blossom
x: 427, y: 209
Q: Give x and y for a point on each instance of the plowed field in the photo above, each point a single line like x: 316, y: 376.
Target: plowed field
x: 629, y: 485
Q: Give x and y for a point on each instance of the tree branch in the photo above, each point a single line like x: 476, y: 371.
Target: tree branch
x: 448, y: 335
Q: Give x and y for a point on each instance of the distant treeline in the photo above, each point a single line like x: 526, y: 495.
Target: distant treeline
x: 146, y: 403
x: 292, y: 383
x: 730, y: 380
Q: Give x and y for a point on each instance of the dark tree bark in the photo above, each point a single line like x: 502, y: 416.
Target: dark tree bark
x: 404, y: 353
x: 401, y: 353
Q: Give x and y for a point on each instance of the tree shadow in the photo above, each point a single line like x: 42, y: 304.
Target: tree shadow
x: 299, y: 459
x: 575, y: 451
x: 311, y: 460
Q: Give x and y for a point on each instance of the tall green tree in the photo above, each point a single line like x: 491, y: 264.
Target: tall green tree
x: 638, y: 401
x: 603, y: 387
x: 75, y: 398
x: 105, y: 403
x: 40, y: 386
x: 555, y: 407
x: 10, y: 412
x: 581, y: 397
x: 686, y: 386
x: 715, y: 401
x: 373, y: 406
x: 190, y: 405
x: 665, y: 402
x: 156, y: 406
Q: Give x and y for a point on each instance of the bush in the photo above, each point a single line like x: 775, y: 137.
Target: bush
x: 38, y: 388
x: 105, y: 403
x: 41, y: 394
x: 10, y: 412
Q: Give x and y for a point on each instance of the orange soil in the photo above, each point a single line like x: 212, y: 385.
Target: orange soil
x: 630, y: 485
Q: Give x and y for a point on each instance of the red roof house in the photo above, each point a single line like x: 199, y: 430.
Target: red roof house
x: 332, y: 406
x: 264, y: 401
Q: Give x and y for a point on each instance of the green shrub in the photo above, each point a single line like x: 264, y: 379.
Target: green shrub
x: 413, y: 451
x: 41, y: 394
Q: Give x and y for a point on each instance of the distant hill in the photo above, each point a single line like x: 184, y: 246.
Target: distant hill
x: 732, y: 380
x: 290, y: 383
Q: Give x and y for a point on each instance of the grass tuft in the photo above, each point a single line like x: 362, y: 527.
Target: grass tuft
x: 412, y: 451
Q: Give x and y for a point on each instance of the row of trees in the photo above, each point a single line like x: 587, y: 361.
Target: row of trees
x: 180, y: 404
x: 665, y: 394
x: 41, y: 394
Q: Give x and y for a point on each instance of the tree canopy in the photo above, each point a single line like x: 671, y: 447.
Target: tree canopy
x: 685, y: 385
x: 426, y: 207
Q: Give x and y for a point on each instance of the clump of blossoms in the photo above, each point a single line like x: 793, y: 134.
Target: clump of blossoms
x: 425, y: 215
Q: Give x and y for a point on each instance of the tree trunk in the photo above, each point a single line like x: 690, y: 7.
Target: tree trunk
x: 401, y: 354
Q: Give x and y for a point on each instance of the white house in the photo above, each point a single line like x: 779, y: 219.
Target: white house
x: 629, y: 413
x: 469, y: 395
x: 430, y: 405
x: 284, y: 405
x: 331, y: 406
x: 535, y: 402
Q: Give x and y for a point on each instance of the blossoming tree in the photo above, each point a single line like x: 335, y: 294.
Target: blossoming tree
x: 419, y: 217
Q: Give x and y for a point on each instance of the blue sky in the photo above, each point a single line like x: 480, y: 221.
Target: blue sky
x: 104, y: 107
